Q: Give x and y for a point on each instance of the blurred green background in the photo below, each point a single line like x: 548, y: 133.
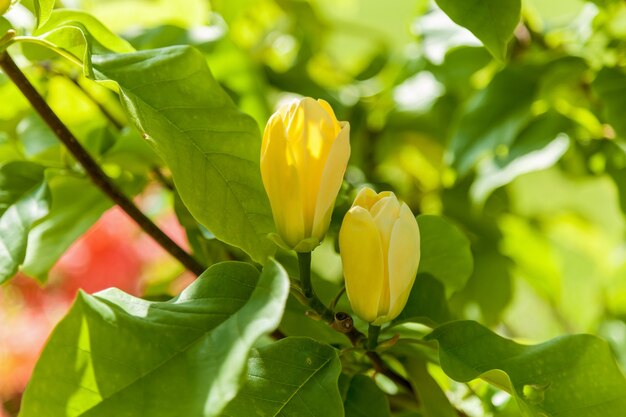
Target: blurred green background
x: 527, y: 157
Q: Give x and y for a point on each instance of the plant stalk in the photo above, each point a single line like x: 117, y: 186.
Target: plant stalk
x: 304, y: 263
x: 372, y: 337
x: 93, y: 170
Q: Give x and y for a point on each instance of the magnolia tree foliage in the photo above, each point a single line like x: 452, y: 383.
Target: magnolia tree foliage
x: 498, y: 122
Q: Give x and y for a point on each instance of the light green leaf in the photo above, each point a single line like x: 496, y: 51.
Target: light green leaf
x: 365, y: 399
x: 570, y: 376
x: 610, y: 85
x: 75, y: 35
x: 494, y: 116
x: 295, y: 376
x: 76, y: 205
x: 492, y: 21
x: 101, y: 39
x: 445, y: 252
x: 23, y: 201
x: 115, y: 355
x: 211, y: 148
x: 43, y: 9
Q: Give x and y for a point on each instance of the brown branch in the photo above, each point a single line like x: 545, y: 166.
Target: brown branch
x: 93, y: 170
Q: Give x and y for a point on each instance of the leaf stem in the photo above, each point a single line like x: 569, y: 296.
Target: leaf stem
x: 93, y: 170
x: 304, y: 263
x: 372, y: 337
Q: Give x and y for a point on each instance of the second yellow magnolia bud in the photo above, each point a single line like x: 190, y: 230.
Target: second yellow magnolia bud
x: 4, y: 6
x: 379, y: 243
x: 304, y: 155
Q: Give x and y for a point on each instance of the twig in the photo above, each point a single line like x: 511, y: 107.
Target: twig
x: 93, y: 170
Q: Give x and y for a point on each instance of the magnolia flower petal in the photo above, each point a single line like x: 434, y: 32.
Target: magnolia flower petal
x: 403, y: 258
x: 362, y: 258
x: 366, y: 197
x: 311, y: 146
x: 334, y: 125
x: 283, y: 190
x: 331, y: 180
x: 385, y: 212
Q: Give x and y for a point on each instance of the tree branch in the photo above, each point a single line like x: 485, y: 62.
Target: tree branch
x: 93, y: 170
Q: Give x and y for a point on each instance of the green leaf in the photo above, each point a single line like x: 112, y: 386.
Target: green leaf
x: 211, y: 148
x: 539, y: 146
x: 38, y: 141
x: 292, y: 377
x: 97, y: 36
x: 610, y: 85
x: 76, y: 205
x: 365, y: 399
x: 495, y: 116
x: 445, y: 252
x: 75, y: 35
x: 488, y: 291
x: 492, y: 21
x: 114, y: 354
x: 426, y: 304
x: 570, y: 376
x: 43, y: 9
x: 433, y: 400
x: 23, y: 201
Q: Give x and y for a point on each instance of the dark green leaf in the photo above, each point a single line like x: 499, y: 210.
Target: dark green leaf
x: 495, y: 116
x: 492, y: 21
x: 539, y: 146
x: 365, y: 399
x: 114, y: 354
x: 433, y: 400
x: 610, y: 85
x: 427, y: 302
x: 212, y: 149
x: 489, y: 289
x: 570, y: 376
x: 445, y: 252
x: 76, y: 205
x: 24, y: 200
x: 292, y: 377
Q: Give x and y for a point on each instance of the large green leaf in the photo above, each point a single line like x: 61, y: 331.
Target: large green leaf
x: 76, y: 205
x: 295, y: 376
x: 445, y: 252
x: 570, y: 376
x: 610, y: 85
x: 494, y: 116
x: 212, y: 148
x: 116, y: 355
x: 365, y: 399
x: 492, y: 21
x: 24, y: 200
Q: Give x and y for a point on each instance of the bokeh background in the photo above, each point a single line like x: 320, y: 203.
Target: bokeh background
x: 527, y: 157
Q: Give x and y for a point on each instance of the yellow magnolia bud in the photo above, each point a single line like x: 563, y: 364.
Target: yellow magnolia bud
x: 379, y: 243
x: 4, y: 6
x: 303, y: 158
